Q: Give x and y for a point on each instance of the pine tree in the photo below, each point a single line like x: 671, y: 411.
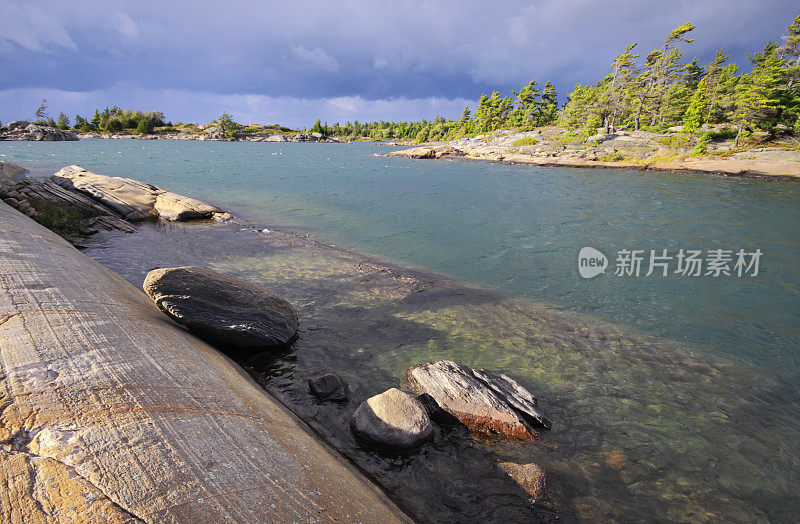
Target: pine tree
x: 41, y: 112
x: 548, y: 107
x: 63, y: 121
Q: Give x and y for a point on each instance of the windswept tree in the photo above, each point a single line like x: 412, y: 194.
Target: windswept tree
x: 791, y: 51
x: 41, y: 112
x: 623, y: 72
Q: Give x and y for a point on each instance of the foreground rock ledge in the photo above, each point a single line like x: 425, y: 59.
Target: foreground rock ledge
x: 109, y: 412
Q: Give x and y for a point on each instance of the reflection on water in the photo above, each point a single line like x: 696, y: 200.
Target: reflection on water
x: 642, y: 428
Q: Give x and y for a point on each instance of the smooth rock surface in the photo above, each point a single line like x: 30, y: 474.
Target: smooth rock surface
x: 11, y: 172
x: 392, y: 421
x: 328, y: 387
x: 228, y: 312
x: 459, y: 392
x: 133, y: 200
x: 110, y: 413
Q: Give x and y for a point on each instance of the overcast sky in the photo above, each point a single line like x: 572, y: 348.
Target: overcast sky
x: 294, y: 61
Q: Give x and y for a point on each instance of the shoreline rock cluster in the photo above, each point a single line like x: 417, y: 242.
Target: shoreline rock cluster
x: 24, y: 130
x: 638, y: 150
x: 91, y: 202
x: 236, y: 315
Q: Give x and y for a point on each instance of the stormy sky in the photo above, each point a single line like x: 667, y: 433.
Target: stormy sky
x: 293, y: 62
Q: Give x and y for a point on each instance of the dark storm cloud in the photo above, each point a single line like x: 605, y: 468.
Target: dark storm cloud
x: 347, y: 59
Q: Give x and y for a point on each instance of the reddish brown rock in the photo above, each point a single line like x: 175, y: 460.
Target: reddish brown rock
x: 458, y: 391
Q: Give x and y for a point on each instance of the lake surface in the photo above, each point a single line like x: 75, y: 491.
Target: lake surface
x: 678, y: 394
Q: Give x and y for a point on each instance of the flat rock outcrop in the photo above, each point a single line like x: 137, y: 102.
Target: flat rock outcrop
x: 438, y: 151
x: 24, y: 130
x: 391, y: 421
x: 482, y: 401
x: 109, y: 413
x: 227, y: 311
x: 133, y: 200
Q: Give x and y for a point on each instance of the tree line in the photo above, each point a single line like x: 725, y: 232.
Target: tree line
x: 527, y: 108
x: 110, y: 120
x: 655, y: 93
x: 663, y: 91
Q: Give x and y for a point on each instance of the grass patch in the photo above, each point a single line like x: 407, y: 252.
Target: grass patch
x: 65, y: 221
x: 616, y: 156
x: 527, y: 141
x: 679, y: 141
x: 569, y: 138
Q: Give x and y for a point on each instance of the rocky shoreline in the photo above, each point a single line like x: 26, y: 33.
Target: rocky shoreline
x: 235, y: 315
x: 638, y: 150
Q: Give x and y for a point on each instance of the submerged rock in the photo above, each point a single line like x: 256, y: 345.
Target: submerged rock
x: 228, y: 312
x: 481, y: 406
x: 530, y: 477
x: 328, y: 387
x: 392, y: 421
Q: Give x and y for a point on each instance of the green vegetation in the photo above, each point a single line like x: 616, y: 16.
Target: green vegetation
x: 653, y: 93
x: 528, y: 108
x: 664, y: 92
x: 702, y: 145
x: 527, y: 141
x: 64, y: 220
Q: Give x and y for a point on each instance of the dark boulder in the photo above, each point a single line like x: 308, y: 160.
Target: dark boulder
x: 229, y: 312
x: 328, y: 387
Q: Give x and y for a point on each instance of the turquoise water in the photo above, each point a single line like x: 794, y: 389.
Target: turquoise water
x: 513, y: 228
x: 673, y: 397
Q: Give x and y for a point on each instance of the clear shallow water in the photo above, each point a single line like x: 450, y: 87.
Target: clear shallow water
x: 703, y: 428
x: 513, y: 228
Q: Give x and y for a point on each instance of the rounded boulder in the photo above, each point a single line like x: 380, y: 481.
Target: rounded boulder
x: 226, y: 311
x: 392, y: 421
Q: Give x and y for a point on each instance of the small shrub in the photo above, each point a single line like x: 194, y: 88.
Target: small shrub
x: 569, y: 138
x: 723, y: 134
x: 616, y: 156
x: 527, y: 141
x: 679, y: 141
x: 145, y: 126
x: 62, y: 220
x: 702, y: 145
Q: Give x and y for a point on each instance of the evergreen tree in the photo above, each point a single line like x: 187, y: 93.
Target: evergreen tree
x: 63, y: 121
x: 41, y: 112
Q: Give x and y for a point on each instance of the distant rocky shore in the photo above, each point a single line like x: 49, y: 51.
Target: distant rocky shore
x: 24, y: 130
x: 639, y: 150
